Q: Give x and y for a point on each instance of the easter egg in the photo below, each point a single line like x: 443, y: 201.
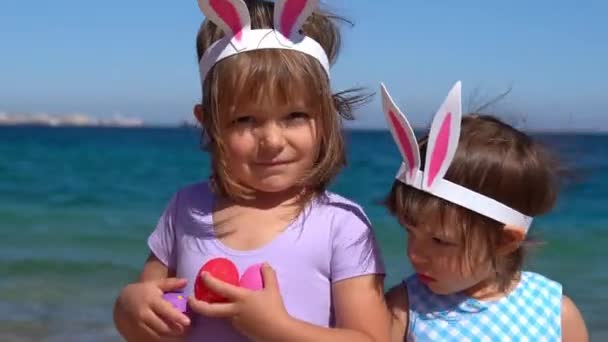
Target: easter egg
x: 178, y: 300
x: 220, y: 268
x: 252, y: 278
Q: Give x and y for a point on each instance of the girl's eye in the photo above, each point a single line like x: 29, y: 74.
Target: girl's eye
x: 296, y: 116
x: 243, y: 120
x: 443, y: 242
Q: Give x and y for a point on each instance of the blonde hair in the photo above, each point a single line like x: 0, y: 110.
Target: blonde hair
x: 282, y: 75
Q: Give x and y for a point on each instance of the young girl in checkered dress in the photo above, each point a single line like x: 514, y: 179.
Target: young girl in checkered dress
x: 467, y: 205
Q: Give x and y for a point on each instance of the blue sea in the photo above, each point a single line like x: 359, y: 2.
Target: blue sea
x: 76, y: 206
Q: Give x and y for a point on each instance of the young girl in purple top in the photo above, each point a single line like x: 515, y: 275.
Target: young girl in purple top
x: 272, y: 127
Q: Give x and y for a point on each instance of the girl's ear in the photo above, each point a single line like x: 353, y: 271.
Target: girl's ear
x: 510, y: 239
x: 198, y: 113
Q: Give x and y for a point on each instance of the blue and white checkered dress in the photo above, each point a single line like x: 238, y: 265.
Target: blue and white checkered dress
x: 531, y: 312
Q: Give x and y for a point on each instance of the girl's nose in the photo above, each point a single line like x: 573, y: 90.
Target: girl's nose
x: 416, y: 252
x: 271, y: 137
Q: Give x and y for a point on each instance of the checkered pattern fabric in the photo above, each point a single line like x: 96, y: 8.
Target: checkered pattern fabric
x: 531, y: 312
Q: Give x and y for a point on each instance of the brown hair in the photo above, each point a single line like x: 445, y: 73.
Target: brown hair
x: 495, y: 160
x: 281, y: 75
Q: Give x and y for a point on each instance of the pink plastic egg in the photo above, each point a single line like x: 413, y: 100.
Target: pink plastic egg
x: 252, y: 278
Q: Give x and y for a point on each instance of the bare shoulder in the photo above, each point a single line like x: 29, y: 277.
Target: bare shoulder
x: 397, y: 301
x: 573, y: 324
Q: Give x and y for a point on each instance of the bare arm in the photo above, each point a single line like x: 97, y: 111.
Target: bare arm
x: 132, y: 330
x: 573, y: 324
x: 154, y: 269
x: 361, y: 314
x: 397, y: 301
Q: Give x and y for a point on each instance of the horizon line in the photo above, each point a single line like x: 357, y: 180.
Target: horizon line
x: 345, y: 128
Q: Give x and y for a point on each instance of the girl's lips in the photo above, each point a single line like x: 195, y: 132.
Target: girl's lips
x: 426, y: 279
x: 273, y: 163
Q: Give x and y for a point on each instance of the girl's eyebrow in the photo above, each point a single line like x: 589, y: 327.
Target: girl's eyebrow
x: 447, y: 234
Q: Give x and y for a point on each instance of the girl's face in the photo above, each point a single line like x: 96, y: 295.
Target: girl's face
x: 437, y: 256
x: 269, y: 147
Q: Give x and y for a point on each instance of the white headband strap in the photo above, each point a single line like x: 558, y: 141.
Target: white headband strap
x: 442, y: 145
x: 471, y: 200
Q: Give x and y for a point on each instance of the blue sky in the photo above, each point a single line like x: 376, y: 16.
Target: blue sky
x: 137, y: 58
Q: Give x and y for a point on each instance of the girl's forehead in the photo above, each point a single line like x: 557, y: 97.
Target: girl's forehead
x: 274, y: 93
x: 266, y: 100
x: 269, y: 105
x: 435, y: 225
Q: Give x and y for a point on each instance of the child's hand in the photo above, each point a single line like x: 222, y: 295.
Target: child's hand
x: 254, y: 313
x: 142, y: 304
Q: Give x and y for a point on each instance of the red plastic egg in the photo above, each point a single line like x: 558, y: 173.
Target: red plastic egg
x: 220, y: 268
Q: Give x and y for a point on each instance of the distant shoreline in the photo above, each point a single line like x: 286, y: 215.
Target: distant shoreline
x: 67, y: 120
x: 79, y: 120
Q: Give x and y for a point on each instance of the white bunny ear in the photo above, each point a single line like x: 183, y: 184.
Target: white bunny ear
x: 290, y: 15
x: 232, y: 16
x: 443, y: 138
x: 403, y: 135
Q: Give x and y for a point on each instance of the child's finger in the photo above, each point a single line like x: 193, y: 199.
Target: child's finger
x: 149, y: 331
x: 156, y: 324
x: 216, y: 310
x: 224, y: 289
x: 171, y: 284
x: 165, y: 310
x: 177, y: 328
x: 151, y: 334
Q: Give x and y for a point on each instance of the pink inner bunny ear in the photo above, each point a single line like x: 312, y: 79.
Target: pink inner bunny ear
x: 402, y: 133
x: 232, y: 16
x: 290, y: 15
x: 404, y: 142
x: 443, y: 138
x: 441, y: 148
x: 228, y: 13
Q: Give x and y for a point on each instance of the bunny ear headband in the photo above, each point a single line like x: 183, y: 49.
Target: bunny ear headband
x: 442, y: 144
x: 232, y: 17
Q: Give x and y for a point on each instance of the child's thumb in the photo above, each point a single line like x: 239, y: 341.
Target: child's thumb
x: 269, y: 277
x: 171, y: 284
